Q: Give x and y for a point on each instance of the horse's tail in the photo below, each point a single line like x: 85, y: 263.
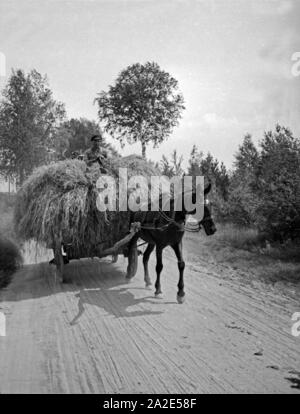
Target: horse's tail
x: 132, y: 252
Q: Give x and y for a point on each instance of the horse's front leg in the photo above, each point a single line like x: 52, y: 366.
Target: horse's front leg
x: 146, y: 257
x: 181, y: 265
x: 159, y: 267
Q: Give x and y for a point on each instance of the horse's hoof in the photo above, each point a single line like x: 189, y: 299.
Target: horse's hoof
x: 128, y: 279
x: 148, y: 285
x: 180, y: 299
x: 129, y: 274
x: 158, y: 295
x: 66, y: 280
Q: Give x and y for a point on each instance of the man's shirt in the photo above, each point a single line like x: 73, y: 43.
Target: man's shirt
x: 94, y: 156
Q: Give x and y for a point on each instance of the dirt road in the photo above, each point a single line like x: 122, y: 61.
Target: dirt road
x: 101, y: 335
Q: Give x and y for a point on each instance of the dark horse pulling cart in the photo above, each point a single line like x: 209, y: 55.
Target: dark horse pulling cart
x: 157, y: 229
x: 161, y: 229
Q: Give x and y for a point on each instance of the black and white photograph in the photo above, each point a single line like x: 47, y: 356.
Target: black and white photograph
x: 149, y: 199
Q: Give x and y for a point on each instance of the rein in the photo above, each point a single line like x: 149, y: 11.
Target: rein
x: 193, y: 229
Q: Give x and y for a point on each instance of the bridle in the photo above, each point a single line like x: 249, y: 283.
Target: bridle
x: 191, y: 228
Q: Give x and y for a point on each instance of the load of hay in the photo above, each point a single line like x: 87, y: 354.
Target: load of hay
x: 59, y: 200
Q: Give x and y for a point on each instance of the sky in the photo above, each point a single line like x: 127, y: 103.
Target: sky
x: 232, y: 60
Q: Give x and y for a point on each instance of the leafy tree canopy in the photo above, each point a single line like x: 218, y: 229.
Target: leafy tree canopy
x: 28, y: 119
x: 144, y: 105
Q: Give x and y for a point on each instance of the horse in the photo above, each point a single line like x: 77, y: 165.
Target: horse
x: 161, y: 229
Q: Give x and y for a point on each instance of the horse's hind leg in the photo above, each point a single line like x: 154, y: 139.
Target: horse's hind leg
x: 181, y: 265
x: 159, y: 267
x: 146, y: 256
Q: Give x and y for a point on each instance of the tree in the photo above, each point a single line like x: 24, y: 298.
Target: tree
x: 277, y: 183
x: 143, y: 105
x: 195, y: 160
x: 166, y: 168
x: 247, y: 156
x: 242, y: 202
x: 210, y: 168
x: 173, y: 167
x: 213, y: 172
x: 223, y: 181
x: 265, y: 185
x: 28, y: 118
x: 177, y: 163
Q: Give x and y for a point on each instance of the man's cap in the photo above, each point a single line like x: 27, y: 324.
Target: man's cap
x: 96, y: 138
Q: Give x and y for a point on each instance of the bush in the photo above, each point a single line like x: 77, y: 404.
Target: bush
x: 10, y: 260
x: 264, y: 190
x: 277, y: 185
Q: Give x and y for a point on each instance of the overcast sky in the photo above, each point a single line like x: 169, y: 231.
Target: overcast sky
x: 232, y: 59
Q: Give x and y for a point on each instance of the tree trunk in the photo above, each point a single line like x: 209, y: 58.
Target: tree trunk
x: 21, y: 177
x: 144, y: 150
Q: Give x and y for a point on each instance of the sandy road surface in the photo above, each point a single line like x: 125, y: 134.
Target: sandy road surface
x: 100, y: 334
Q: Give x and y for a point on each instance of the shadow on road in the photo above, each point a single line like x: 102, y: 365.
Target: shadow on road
x: 115, y: 302
x: 108, y: 290
x: 94, y: 282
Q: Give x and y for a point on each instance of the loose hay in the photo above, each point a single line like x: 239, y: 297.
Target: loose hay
x: 59, y: 200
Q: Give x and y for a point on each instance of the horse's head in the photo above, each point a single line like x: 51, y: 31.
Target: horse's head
x: 207, y: 222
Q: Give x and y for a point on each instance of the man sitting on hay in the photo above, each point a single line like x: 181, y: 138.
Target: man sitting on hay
x: 96, y: 154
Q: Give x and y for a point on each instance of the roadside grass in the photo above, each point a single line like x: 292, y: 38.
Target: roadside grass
x: 249, y: 253
x: 239, y: 237
x: 250, y: 239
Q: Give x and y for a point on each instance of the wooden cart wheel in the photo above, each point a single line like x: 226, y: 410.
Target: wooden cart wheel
x: 59, y: 262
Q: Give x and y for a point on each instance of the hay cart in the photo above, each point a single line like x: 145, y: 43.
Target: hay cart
x: 57, y: 207
x: 62, y: 250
